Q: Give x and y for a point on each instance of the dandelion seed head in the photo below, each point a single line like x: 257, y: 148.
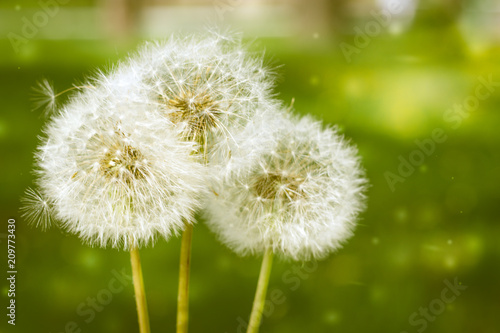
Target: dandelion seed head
x: 116, y: 172
x: 208, y: 86
x: 297, y: 189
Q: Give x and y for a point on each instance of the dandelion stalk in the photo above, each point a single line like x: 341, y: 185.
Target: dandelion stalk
x: 183, y: 293
x: 140, y: 295
x: 260, y: 294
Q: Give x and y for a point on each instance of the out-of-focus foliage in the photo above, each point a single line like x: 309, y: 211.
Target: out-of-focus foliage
x: 440, y: 222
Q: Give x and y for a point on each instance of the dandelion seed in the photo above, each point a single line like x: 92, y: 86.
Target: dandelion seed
x: 36, y: 209
x: 44, y: 97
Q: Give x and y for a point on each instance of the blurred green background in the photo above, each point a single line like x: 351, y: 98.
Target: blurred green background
x: 386, y: 82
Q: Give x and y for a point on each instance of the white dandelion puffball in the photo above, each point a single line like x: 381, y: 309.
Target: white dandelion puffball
x: 298, y: 193
x: 114, y: 171
x: 208, y: 86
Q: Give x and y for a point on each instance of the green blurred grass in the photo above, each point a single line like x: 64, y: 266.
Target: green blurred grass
x: 441, y: 223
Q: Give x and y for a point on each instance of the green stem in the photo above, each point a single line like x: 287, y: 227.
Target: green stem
x: 260, y: 294
x: 140, y: 295
x: 183, y: 294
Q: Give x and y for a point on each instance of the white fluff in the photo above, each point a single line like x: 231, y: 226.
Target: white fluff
x: 125, y: 160
x: 37, y: 209
x: 208, y: 86
x: 114, y: 169
x: 292, y: 186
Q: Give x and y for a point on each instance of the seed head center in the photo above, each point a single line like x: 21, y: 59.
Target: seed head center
x: 198, y: 111
x: 276, y: 186
x: 126, y: 164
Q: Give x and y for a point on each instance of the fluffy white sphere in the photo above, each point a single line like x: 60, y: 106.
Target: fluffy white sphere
x: 292, y: 186
x: 115, y: 171
x: 208, y: 86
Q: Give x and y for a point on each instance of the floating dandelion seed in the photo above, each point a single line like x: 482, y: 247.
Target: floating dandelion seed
x: 36, y: 209
x: 298, y: 194
x: 44, y: 97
